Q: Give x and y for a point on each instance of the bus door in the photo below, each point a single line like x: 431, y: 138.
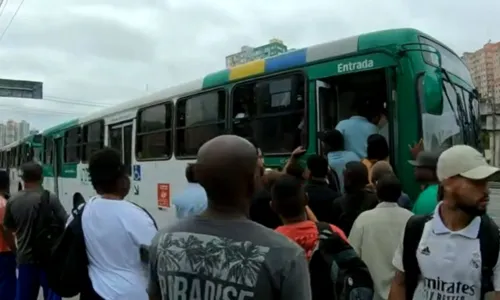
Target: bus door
x: 57, y: 159
x: 326, y: 108
x: 120, y: 138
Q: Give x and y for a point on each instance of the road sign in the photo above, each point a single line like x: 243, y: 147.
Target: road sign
x: 21, y: 89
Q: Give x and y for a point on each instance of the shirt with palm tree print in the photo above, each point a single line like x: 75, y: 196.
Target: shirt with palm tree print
x: 203, y: 258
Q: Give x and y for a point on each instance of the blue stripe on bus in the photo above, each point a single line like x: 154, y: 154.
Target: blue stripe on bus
x: 286, y: 61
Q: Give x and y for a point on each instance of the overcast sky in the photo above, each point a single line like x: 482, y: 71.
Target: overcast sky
x: 108, y: 51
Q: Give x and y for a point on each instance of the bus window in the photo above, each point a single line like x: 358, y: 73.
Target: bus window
x: 154, y: 132
x: 115, y: 138
x: 13, y: 157
x: 72, y: 142
x: 48, y: 145
x: 199, y: 118
x: 93, y: 139
x: 7, y: 159
x: 271, y: 111
x: 25, y: 153
x: 30, y: 156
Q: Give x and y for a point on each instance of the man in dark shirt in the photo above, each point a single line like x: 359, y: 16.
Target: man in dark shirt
x: 357, y: 197
x: 320, y: 195
x: 20, y: 217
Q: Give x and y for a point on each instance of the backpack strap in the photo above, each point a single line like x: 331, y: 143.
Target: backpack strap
x: 412, y: 235
x: 147, y: 212
x: 489, y: 240
x: 331, y: 246
x: 323, y: 228
x: 44, y: 210
x: 78, y: 211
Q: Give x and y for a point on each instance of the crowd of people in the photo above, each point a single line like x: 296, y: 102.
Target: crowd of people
x: 442, y: 236
x: 339, y: 227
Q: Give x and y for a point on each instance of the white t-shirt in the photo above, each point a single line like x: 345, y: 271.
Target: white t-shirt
x: 450, y: 262
x: 375, y: 235
x: 113, y: 232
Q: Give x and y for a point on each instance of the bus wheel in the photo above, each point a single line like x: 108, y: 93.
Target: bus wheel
x: 19, y: 187
x: 77, y: 200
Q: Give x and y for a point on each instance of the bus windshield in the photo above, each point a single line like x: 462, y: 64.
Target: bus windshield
x: 456, y: 124
x: 449, y: 61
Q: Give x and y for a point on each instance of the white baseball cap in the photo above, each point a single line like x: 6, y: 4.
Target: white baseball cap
x: 465, y: 161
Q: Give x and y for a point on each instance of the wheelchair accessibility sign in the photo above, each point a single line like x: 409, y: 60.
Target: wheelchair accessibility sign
x: 137, y: 172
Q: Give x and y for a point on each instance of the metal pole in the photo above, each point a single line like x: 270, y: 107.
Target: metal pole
x: 494, y: 123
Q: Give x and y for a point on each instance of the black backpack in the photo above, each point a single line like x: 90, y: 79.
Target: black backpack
x: 489, y: 244
x: 337, y: 272
x: 69, y: 274
x: 48, y: 229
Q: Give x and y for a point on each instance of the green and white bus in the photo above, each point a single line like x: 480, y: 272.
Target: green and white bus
x: 281, y: 102
x: 17, y: 153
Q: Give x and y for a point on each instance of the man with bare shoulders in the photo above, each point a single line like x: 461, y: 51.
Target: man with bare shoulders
x: 220, y: 254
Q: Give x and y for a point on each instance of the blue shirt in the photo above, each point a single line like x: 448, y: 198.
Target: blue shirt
x: 192, y: 201
x: 337, y: 161
x: 356, y: 131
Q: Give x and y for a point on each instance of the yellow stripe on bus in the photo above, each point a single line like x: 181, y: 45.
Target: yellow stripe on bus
x: 248, y: 69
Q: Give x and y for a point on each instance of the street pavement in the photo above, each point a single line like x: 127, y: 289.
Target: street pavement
x: 493, y: 210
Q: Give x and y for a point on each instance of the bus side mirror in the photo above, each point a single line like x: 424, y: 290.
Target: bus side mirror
x: 433, y: 92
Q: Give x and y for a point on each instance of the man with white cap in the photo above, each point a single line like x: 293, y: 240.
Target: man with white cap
x: 453, y: 253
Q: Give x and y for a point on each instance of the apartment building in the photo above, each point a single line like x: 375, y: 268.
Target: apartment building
x: 3, y: 134
x: 12, y: 131
x: 248, y: 54
x: 23, y: 129
x: 484, y: 65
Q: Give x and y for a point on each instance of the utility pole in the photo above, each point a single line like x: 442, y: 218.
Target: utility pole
x: 492, y: 104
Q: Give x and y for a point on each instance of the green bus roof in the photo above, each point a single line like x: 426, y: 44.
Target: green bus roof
x: 57, y: 130
x: 313, y: 54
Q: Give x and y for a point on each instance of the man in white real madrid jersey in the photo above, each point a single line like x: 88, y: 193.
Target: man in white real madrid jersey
x: 452, y: 254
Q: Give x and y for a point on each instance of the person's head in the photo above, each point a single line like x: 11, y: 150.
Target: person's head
x: 107, y: 173
x: 288, y: 197
x: 380, y: 169
x: 464, y: 174
x: 355, y: 176
x: 377, y: 147
x: 296, y: 170
x: 317, y: 166
x: 260, y: 157
x: 4, y: 182
x: 190, y: 174
x: 389, y: 188
x: 331, y: 140
x: 228, y: 170
x: 32, y: 175
x: 425, y: 166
